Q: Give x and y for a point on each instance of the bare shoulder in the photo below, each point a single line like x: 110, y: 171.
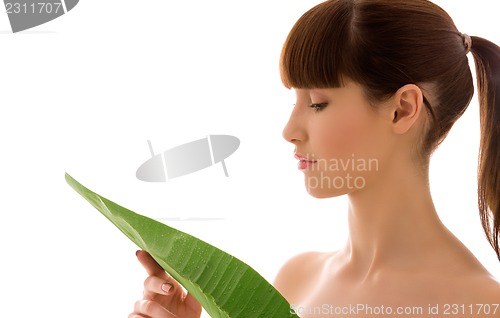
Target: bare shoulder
x: 489, y: 289
x: 298, y: 273
x: 484, y: 295
x: 487, y: 303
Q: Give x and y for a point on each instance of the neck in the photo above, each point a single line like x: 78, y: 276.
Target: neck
x: 392, y: 223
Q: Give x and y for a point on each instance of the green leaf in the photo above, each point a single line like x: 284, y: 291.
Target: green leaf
x: 224, y: 285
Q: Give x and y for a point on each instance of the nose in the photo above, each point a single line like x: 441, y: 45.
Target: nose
x: 293, y: 131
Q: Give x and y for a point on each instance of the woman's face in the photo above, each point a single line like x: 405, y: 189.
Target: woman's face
x: 340, y: 140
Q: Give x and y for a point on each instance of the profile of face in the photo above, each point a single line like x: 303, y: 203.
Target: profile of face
x: 379, y: 85
x: 341, y: 140
x: 351, y: 143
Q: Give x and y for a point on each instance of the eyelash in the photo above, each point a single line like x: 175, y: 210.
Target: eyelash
x: 318, y: 106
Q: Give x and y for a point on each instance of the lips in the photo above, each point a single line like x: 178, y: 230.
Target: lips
x: 304, y: 161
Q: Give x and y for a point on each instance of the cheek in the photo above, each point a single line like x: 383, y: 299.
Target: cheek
x: 350, y: 148
x: 347, y: 135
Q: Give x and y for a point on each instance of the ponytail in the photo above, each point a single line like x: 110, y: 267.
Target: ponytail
x: 487, y: 60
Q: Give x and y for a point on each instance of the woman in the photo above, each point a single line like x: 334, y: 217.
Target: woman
x: 379, y: 84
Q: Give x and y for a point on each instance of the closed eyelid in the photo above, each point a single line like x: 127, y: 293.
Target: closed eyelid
x: 307, y: 93
x: 312, y: 97
x: 316, y: 94
x: 318, y: 106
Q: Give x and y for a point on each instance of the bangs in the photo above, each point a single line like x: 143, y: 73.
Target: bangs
x: 316, y: 51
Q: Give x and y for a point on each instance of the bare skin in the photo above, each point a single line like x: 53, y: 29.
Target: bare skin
x: 398, y: 253
x: 313, y: 280
x: 163, y: 296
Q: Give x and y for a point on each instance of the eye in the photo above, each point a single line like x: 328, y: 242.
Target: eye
x: 318, y: 106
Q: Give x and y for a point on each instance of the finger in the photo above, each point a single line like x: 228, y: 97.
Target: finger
x: 151, y: 309
x: 169, y: 293
x: 157, y: 285
x: 159, y: 281
x: 150, y: 265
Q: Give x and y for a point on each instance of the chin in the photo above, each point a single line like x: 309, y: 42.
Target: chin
x: 323, y: 186
x: 322, y: 193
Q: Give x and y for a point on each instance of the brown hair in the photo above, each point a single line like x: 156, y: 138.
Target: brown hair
x: 386, y: 44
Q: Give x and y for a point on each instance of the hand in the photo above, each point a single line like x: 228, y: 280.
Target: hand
x: 163, y: 295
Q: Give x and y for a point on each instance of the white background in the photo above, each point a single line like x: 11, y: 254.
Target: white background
x: 84, y: 93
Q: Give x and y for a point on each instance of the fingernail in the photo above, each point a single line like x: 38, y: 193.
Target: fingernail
x: 166, y: 287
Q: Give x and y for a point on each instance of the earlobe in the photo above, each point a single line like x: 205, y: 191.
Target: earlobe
x: 408, y: 102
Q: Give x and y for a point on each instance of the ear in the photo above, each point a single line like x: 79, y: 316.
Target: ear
x: 407, y: 106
